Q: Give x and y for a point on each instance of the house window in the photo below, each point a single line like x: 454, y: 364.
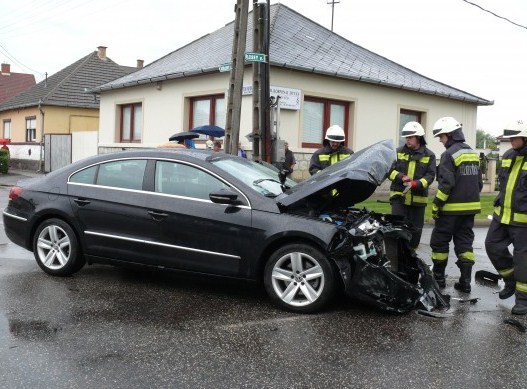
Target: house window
x: 406, y: 116
x: 318, y: 115
x: 131, y: 122
x: 7, y: 129
x: 31, y: 129
x: 207, y: 110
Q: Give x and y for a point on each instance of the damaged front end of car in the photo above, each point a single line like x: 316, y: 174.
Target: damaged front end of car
x: 377, y: 264
x: 371, y: 250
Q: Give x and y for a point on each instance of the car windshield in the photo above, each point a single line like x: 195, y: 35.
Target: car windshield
x: 262, y: 178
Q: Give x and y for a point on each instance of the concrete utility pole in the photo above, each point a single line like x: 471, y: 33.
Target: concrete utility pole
x: 332, y: 2
x: 261, y: 95
x: 234, y: 104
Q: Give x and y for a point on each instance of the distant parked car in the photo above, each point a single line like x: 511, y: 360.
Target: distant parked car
x: 213, y: 213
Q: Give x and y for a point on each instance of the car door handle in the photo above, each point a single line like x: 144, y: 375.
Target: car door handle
x: 158, y: 215
x: 82, y: 202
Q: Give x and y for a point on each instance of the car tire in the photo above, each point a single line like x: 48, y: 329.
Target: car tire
x: 299, y: 278
x: 57, y: 249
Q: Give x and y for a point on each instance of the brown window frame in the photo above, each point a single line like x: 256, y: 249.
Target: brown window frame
x: 419, y: 119
x: 33, y: 130
x: 4, y: 122
x: 327, y: 120
x: 132, y: 123
x: 212, y: 108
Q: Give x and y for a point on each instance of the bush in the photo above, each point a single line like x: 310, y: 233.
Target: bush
x: 4, y: 161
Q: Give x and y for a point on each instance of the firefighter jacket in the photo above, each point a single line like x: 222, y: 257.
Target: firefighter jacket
x: 459, y: 180
x: 420, y: 166
x: 510, y: 206
x: 326, y: 156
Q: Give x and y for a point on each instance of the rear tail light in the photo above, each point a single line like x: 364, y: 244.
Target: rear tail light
x: 15, y: 192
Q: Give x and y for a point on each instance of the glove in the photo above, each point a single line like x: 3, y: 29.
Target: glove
x: 435, y: 211
x: 496, y: 202
x: 405, y: 178
x: 409, y: 185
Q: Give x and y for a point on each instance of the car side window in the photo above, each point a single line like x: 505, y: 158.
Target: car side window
x: 85, y: 176
x: 126, y: 174
x: 184, y: 180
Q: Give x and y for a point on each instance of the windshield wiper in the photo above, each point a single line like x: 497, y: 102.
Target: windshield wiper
x: 256, y: 182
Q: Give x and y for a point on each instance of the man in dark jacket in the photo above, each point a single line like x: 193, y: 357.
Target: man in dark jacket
x: 509, y: 222
x: 332, y: 152
x: 456, y: 203
x: 289, y: 161
x: 411, y: 175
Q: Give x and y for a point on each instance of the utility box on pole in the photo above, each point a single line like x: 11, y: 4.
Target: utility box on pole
x: 278, y: 152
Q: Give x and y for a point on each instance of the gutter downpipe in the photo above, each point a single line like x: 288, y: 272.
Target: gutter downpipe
x: 40, y: 169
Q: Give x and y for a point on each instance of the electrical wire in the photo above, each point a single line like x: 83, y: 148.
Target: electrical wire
x: 492, y: 13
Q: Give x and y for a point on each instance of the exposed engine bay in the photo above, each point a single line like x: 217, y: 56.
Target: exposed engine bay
x: 377, y: 264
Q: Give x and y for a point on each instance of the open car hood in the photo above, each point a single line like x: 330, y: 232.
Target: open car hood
x: 355, y: 179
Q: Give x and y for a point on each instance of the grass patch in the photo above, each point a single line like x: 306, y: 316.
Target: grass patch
x: 487, y: 207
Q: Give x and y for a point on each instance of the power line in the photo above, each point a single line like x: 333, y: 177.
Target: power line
x: 492, y: 13
x: 8, y: 55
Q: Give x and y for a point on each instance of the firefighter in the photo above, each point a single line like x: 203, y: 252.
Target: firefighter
x: 455, y: 204
x: 509, y: 221
x: 332, y: 152
x: 411, y: 175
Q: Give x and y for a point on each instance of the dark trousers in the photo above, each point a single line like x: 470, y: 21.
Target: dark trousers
x: 499, y: 237
x: 458, y: 228
x: 415, y: 215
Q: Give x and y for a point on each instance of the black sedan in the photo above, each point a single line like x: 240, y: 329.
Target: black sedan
x: 212, y: 213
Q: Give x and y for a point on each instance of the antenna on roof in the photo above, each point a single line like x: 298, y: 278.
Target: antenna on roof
x: 332, y: 2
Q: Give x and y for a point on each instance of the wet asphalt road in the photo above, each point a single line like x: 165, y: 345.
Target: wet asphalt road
x: 110, y: 327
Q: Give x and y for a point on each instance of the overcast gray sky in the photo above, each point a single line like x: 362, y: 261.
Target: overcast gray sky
x: 450, y: 41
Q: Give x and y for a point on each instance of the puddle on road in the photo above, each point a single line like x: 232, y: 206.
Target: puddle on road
x: 34, y: 330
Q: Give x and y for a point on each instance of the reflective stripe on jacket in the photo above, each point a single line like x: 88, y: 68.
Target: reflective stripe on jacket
x: 511, y: 202
x: 419, y: 165
x: 326, y: 156
x: 459, y: 181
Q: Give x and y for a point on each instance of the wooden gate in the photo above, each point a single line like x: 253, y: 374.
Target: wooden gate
x: 57, y: 151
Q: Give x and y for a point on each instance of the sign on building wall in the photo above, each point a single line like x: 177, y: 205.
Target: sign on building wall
x: 289, y: 97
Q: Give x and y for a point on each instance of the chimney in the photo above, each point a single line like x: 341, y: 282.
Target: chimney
x: 6, y: 68
x: 140, y: 63
x: 101, y: 53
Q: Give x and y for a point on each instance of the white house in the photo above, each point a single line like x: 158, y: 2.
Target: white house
x: 322, y: 79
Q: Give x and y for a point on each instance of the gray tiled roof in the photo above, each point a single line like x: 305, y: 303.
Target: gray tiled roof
x: 66, y: 88
x: 296, y: 42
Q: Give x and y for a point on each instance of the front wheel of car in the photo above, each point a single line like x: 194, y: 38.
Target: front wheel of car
x: 56, y: 248
x: 299, y: 278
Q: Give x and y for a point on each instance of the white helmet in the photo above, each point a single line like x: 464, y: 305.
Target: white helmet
x: 412, y: 129
x: 335, y: 133
x: 515, y: 128
x: 446, y: 125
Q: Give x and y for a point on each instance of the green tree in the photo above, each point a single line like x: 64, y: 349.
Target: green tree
x: 484, y: 140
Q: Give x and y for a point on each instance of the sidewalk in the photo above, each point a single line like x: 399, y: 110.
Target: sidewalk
x: 14, y: 175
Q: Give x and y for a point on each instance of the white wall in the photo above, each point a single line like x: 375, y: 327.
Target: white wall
x: 83, y: 144
x: 374, y: 110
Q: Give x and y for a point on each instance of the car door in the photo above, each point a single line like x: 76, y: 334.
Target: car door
x: 110, y: 205
x: 195, y: 233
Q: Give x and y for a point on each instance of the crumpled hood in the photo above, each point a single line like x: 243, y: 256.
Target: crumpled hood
x: 355, y: 179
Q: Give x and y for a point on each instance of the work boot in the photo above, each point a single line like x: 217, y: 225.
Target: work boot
x: 520, y: 308
x: 509, y: 288
x: 466, y: 274
x: 439, y: 273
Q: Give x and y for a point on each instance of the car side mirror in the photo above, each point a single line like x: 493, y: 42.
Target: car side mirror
x: 225, y: 196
